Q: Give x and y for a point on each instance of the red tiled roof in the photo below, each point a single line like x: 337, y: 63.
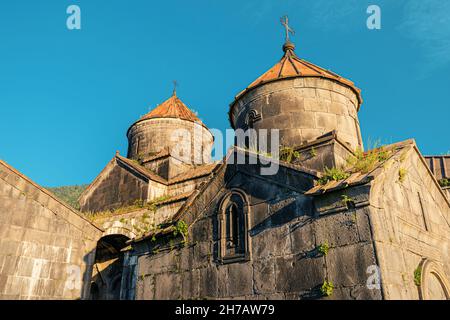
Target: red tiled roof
x: 172, y: 108
x: 291, y: 66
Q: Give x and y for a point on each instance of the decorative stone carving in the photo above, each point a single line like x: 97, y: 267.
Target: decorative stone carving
x: 434, y: 284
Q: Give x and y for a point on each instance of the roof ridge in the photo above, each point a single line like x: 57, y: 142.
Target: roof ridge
x: 195, y: 172
x: 142, y: 170
x: 292, y: 57
x: 280, y: 72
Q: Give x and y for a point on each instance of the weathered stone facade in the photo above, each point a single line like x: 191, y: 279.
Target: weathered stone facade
x: 119, y: 187
x: 411, y: 227
x: 377, y: 241
x: 134, y: 195
x: 47, y: 249
x: 332, y: 222
x: 284, y: 234
x: 303, y: 109
x: 174, y: 127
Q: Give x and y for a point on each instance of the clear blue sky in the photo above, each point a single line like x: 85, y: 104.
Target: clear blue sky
x: 68, y: 97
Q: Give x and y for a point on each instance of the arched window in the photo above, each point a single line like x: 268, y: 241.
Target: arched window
x: 233, y: 228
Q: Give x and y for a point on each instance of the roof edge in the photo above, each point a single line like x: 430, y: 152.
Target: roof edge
x: 162, y: 118
x: 48, y: 193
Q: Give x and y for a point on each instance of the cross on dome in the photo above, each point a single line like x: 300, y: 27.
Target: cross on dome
x: 285, y: 22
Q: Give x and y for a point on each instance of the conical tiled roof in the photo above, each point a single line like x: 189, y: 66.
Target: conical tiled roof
x: 172, y: 108
x: 291, y: 66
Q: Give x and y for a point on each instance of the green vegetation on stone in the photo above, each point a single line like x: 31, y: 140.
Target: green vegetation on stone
x: 288, y: 154
x: 333, y: 174
x: 365, y: 162
x: 418, y: 276
x: 138, y: 204
x: 323, y: 248
x: 402, y: 172
x: 444, y: 183
x: 181, y: 228
x: 346, y: 200
x: 327, y: 288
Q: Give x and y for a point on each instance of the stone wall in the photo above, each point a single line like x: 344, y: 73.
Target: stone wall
x: 185, y: 186
x: 303, y: 109
x: 137, y: 222
x: 284, y: 234
x: 447, y: 192
x: 46, y: 248
x: 117, y: 187
x: 154, y: 135
x: 411, y: 223
x: 326, y: 152
x: 167, y: 167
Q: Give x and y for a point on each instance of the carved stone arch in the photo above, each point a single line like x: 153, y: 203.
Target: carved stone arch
x: 434, y: 285
x: 118, y: 228
x: 108, y: 265
x: 233, y: 227
x: 252, y: 117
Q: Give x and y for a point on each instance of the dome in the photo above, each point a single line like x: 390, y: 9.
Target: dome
x: 172, y: 108
x: 291, y: 66
x: 301, y: 100
x: 168, y: 126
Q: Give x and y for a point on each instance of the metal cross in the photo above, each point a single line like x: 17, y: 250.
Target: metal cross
x: 285, y: 22
x: 175, y: 85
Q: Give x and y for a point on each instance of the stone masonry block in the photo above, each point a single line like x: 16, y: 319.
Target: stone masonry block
x: 167, y: 286
x: 347, y: 265
x: 264, y: 276
x: 208, y: 282
x: 337, y: 230
x: 240, y: 279
x: 303, y: 238
x: 295, y: 275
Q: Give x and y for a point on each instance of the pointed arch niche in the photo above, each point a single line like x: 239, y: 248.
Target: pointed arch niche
x: 233, y: 217
x: 434, y: 284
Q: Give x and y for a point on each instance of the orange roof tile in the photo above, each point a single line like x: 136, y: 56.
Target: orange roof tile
x: 172, y: 108
x: 291, y: 66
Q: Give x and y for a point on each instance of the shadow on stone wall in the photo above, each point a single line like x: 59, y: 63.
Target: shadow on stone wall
x: 107, y: 269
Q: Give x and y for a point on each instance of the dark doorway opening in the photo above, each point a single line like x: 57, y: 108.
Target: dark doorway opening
x: 108, y: 267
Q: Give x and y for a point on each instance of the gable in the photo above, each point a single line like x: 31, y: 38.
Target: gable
x: 410, y: 219
x: 408, y: 185
x: 116, y: 186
